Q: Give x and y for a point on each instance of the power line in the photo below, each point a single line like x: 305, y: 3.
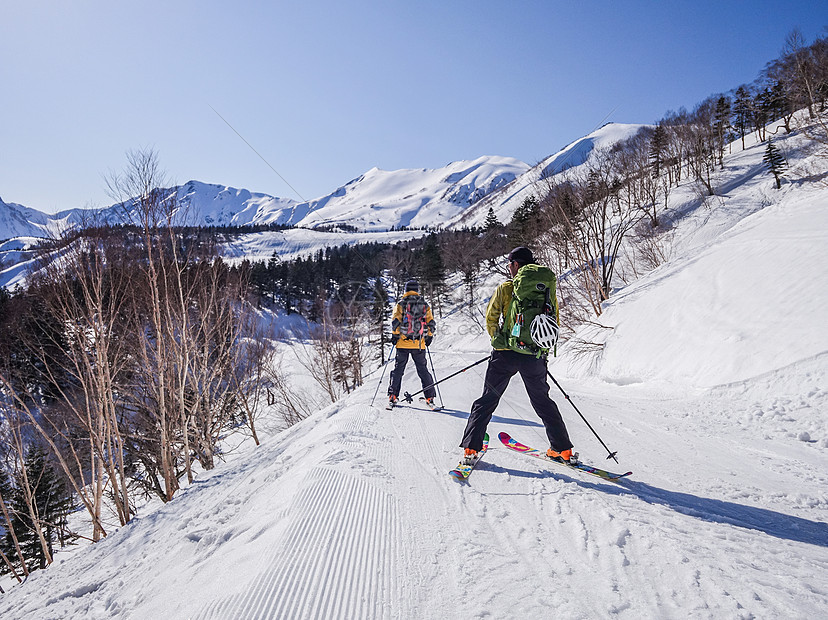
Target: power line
x: 259, y: 154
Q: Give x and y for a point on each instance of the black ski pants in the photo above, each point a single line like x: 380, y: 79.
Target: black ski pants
x: 503, y: 365
x: 419, y: 357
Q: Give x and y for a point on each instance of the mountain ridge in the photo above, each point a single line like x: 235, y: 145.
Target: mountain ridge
x: 376, y: 200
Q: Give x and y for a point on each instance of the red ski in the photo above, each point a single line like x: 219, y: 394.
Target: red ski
x: 510, y: 443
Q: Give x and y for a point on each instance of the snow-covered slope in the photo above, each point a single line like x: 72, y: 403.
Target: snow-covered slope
x: 294, y: 242
x: 732, y: 303
x: 380, y: 199
x: 372, y: 204
x: 19, y: 221
x: 207, y: 204
x: 217, y: 205
x: 199, y: 204
x: 505, y: 200
x: 17, y: 256
x: 732, y: 311
x: 350, y: 514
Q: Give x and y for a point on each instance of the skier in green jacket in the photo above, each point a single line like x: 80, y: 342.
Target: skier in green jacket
x: 504, y: 363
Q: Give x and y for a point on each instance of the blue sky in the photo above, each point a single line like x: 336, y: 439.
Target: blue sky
x: 326, y: 90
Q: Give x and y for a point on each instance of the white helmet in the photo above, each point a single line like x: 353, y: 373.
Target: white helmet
x: 544, y: 331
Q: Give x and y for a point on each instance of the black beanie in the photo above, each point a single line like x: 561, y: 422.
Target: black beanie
x: 412, y: 285
x: 522, y: 255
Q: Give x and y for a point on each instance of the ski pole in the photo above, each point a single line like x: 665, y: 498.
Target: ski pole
x: 434, y: 372
x: 409, y: 398
x: 382, y: 375
x: 611, y: 454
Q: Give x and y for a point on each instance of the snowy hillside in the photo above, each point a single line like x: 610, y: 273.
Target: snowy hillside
x: 505, y: 200
x: 294, y: 242
x: 19, y: 221
x: 17, y: 255
x: 712, y: 386
x: 731, y: 289
x: 380, y: 199
x: 216, y: 205
x: 374, y: 203
x: 206, y: 204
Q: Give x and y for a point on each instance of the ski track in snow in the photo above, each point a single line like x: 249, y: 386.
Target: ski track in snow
x: 337, y: 556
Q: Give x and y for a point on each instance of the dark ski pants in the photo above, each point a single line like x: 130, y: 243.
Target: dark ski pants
x: 419, y: 357
x: 503, y: 365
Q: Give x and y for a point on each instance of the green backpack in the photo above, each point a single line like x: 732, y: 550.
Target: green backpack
x: 533, y: 293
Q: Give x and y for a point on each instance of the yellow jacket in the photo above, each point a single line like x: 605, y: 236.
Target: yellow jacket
x: 429, y: 325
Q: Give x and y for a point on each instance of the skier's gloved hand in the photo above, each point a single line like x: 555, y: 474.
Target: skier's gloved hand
x: 428, y: 340
x: 394, y: 338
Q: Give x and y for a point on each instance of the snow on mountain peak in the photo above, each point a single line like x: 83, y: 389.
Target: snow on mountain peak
x: 376, y: 200
x: 218, y: 205
x: 505, y: 198
x: 421, y: 197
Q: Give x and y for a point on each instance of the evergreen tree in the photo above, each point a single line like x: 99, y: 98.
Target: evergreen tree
x: 658, y: 144
x: 525, y: 223
x: 5, y: 297
x: 742, y: 112
x: 52, y: 502
x: 432, y: 271
x: 491, y: 223
x: 775, y: 162
x: 7, y: 542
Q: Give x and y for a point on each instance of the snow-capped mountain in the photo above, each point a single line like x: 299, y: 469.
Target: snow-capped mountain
x: 376, y: 201
x: 458, y: 194
x: 216, y: 205
x: 381, y: 199
x: 200, y: 204
x: 19, y: 221
x: 208, y: 204
x: 504, y: 200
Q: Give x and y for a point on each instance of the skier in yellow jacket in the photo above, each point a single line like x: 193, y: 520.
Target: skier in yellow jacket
x: 412, y: 329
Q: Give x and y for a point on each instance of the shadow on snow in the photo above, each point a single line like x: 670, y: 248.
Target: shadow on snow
x: 459, y: 413
x: 776, y: 524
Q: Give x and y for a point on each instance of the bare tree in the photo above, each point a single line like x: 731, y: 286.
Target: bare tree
x: 465, y: 254
x: 79, y: 351
x: 250, y: 386
x: 802, y: 71
x: 282, y: 395
x: 186, y: 308
x: 150, y: 208
x: 590, y: 214
x: 700, y: 136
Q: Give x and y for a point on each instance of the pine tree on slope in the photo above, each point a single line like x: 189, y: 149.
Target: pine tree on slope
x: 775, y: 162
